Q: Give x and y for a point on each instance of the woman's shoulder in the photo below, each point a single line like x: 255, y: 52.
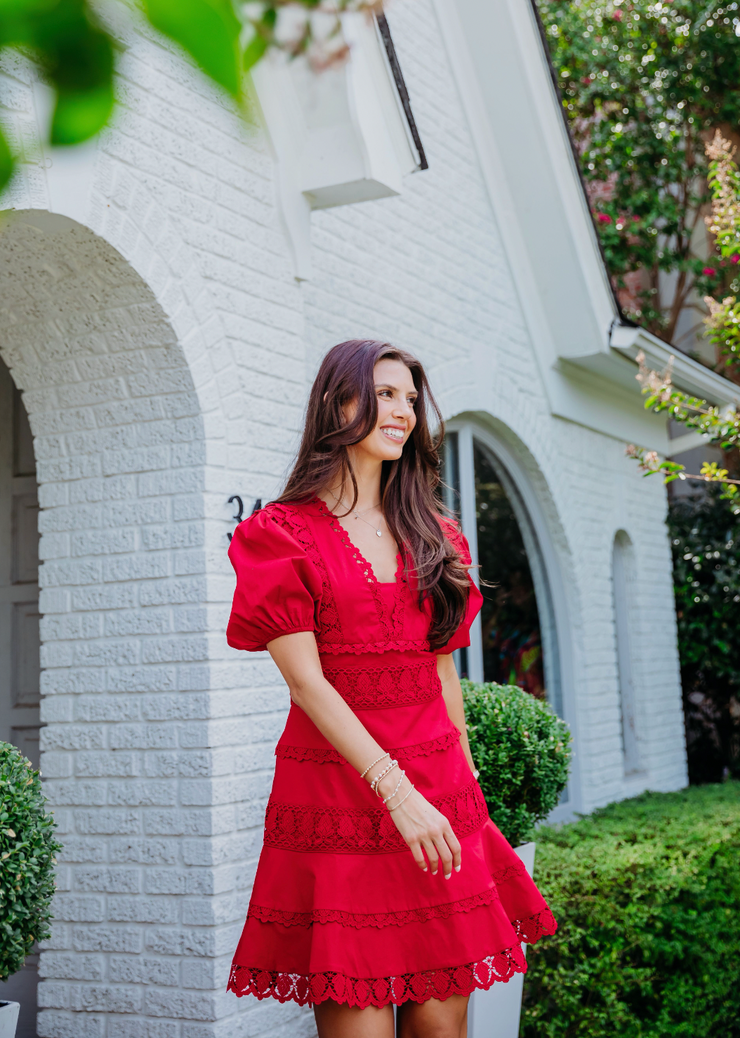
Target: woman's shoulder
x: 277, y: 522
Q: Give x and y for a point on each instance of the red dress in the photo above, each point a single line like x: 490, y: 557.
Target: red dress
x: 339, y: 908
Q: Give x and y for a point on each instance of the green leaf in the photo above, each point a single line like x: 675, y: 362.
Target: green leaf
x: 7, y: 161
x: 208, y: 30
x: 259, y: 43
x: 79, y: 115
x: 254, y: 51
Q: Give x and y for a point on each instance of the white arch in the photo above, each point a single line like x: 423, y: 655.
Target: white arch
x: 119, y: 443
x: 548, y: 557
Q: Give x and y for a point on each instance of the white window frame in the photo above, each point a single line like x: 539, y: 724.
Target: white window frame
x: 545, y: 565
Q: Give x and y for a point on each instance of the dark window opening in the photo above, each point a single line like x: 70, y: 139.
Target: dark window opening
x: 512, y: 642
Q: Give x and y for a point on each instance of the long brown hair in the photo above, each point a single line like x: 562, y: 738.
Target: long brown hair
x: 407, y: 486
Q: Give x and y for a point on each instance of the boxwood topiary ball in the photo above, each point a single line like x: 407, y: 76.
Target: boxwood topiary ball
x: 523, y: 752
x: 27, y: 859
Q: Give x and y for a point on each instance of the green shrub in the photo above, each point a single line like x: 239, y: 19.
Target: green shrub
x: 522, y: 750
x: 647, y: 897
x: 27, y: 849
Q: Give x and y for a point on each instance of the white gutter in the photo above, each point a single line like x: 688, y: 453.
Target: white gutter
x: 687, y: 373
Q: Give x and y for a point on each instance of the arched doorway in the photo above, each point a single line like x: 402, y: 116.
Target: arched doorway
x: 118, y: 443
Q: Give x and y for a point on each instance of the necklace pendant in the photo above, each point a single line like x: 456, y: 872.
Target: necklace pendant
x: 379, y: 533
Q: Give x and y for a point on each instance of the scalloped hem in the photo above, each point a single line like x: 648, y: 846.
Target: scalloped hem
x: 313, y: 988
x: 531, y: 929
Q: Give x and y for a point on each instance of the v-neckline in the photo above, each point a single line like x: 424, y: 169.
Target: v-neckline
x: 355, y: 552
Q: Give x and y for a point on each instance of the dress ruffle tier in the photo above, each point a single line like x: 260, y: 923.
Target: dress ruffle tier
x: 339, y: 908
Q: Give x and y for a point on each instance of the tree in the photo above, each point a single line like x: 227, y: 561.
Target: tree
x: 644, y: 83
x: 77, y: 55
x: 723, y: 324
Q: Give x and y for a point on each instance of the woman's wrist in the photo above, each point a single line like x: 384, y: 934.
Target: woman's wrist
x: 396, y: 781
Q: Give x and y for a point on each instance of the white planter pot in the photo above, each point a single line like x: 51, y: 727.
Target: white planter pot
x: 8, y: 1018
x: 495, y: 1013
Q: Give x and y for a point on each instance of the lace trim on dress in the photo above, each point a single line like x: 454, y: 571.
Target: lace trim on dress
x: 378, y: 919
x: 340, y: 830
x: 329, y: 621
x: 375, y: 688
x: 378, y: 991
x: 360, y: 648
x: 329, y: 755
x: 535, y: 926
x: 509, y: 872
x: 392, y: 623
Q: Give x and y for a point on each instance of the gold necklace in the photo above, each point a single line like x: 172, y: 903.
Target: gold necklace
x: 359, y: 515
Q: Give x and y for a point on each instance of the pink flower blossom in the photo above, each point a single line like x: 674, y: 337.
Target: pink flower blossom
x: 603, y: 218
x: 735, y: 257
x: 617, y: 16
x: 709, y: 271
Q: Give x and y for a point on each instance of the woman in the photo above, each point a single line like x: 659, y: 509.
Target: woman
x: 381, y: 879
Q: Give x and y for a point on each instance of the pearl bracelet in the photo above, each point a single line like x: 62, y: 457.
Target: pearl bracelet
x: 400, y: 780
x: 373, y: 764
x: 374, y: 784
x: 403, y: 798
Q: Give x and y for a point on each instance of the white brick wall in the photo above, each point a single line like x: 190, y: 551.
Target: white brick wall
x: 165, y: 355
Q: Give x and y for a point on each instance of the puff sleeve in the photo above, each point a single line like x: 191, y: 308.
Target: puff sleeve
x: 461, y: 637
x: 278, y: 588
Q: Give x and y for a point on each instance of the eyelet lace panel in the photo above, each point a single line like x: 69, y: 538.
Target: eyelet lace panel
x: 535, y: 926
x: 329, y: 755
x: 378, y: 919
x: 338, y: 830
x: 378, y: 991
x: 391, y: 621
x: 329, y: 621
x: 375, y: 688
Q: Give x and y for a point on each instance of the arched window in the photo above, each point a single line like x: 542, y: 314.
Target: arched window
x: 515, y: 640
x: 623, y: 581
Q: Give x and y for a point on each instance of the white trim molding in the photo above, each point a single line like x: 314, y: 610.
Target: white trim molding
x: 339, y: 136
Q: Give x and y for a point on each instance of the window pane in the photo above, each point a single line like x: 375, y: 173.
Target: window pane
x: 512, y: 644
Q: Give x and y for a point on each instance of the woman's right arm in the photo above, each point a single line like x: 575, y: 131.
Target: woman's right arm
x: 425, y: 829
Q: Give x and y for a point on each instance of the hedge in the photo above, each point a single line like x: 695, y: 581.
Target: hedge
x: 647, y: 897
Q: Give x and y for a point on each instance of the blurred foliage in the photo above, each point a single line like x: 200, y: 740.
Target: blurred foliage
x: 523, y: 752
x: 644, y: 83
x: 646, y: 893
x: 76, y: 54
x: 721, y: 427
x: 723, y: 320
x: 705, y: 538
x: 27, y: 858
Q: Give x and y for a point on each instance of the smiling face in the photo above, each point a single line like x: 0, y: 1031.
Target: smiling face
x: 396, y: 395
